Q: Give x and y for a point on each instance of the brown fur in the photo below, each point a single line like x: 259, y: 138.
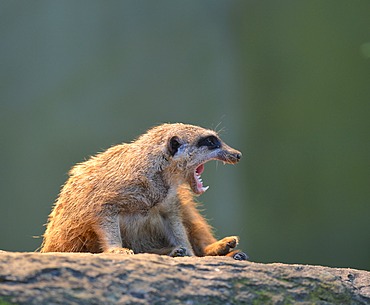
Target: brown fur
x: 138, y: 197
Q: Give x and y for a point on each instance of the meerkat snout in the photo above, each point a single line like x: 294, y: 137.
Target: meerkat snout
x: 230, y: 157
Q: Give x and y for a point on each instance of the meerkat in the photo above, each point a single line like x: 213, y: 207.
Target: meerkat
x: 139, y: 198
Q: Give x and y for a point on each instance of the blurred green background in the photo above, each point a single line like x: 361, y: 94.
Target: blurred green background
x: 287, y: 82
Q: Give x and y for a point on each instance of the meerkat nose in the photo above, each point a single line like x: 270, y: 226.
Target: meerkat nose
x: 237, y: 156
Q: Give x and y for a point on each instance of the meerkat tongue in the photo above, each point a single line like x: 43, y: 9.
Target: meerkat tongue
x: 198, y: 171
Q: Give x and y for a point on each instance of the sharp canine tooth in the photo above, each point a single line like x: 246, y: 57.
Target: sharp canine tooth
x: 205, y: 188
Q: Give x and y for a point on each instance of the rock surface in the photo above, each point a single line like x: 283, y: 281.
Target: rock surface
x: 67, y: 278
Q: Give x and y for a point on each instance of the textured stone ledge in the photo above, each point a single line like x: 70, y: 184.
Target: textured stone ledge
x: 67, y: 278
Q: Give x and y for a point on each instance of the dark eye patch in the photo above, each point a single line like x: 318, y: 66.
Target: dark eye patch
x: 212, y: 142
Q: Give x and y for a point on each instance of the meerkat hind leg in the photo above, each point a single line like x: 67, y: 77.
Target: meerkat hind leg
x: 222, y: 247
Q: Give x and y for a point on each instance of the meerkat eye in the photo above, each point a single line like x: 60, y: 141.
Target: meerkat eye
x: 211, y: 142
x: 173, y: 145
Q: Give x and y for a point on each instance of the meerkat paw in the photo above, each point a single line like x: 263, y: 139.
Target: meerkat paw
x: 238, y: 255
x: 117, y: 250
x: 180, y: 252
x: 222, y: 247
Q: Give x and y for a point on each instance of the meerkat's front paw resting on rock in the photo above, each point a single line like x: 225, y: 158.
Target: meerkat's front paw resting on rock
x: 180, y: 252
x: 117, y: 250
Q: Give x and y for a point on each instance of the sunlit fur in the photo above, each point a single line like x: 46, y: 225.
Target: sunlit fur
x: 138, y: 197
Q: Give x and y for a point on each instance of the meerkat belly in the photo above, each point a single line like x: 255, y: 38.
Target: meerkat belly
x: 144, y: 233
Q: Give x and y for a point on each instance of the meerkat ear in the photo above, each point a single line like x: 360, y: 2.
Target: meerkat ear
x: 173, y: 145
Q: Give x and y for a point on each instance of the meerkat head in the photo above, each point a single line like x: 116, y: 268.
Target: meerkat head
x: 189, y: 147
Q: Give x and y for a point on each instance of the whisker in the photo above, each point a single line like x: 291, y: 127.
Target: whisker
x: 218, y: 126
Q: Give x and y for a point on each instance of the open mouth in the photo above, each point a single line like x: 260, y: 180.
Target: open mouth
x: 195, y: 179
x: 197, y: 184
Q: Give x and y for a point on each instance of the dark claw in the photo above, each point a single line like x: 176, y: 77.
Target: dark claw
x: 241, y: 256
x: 178, y: 252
